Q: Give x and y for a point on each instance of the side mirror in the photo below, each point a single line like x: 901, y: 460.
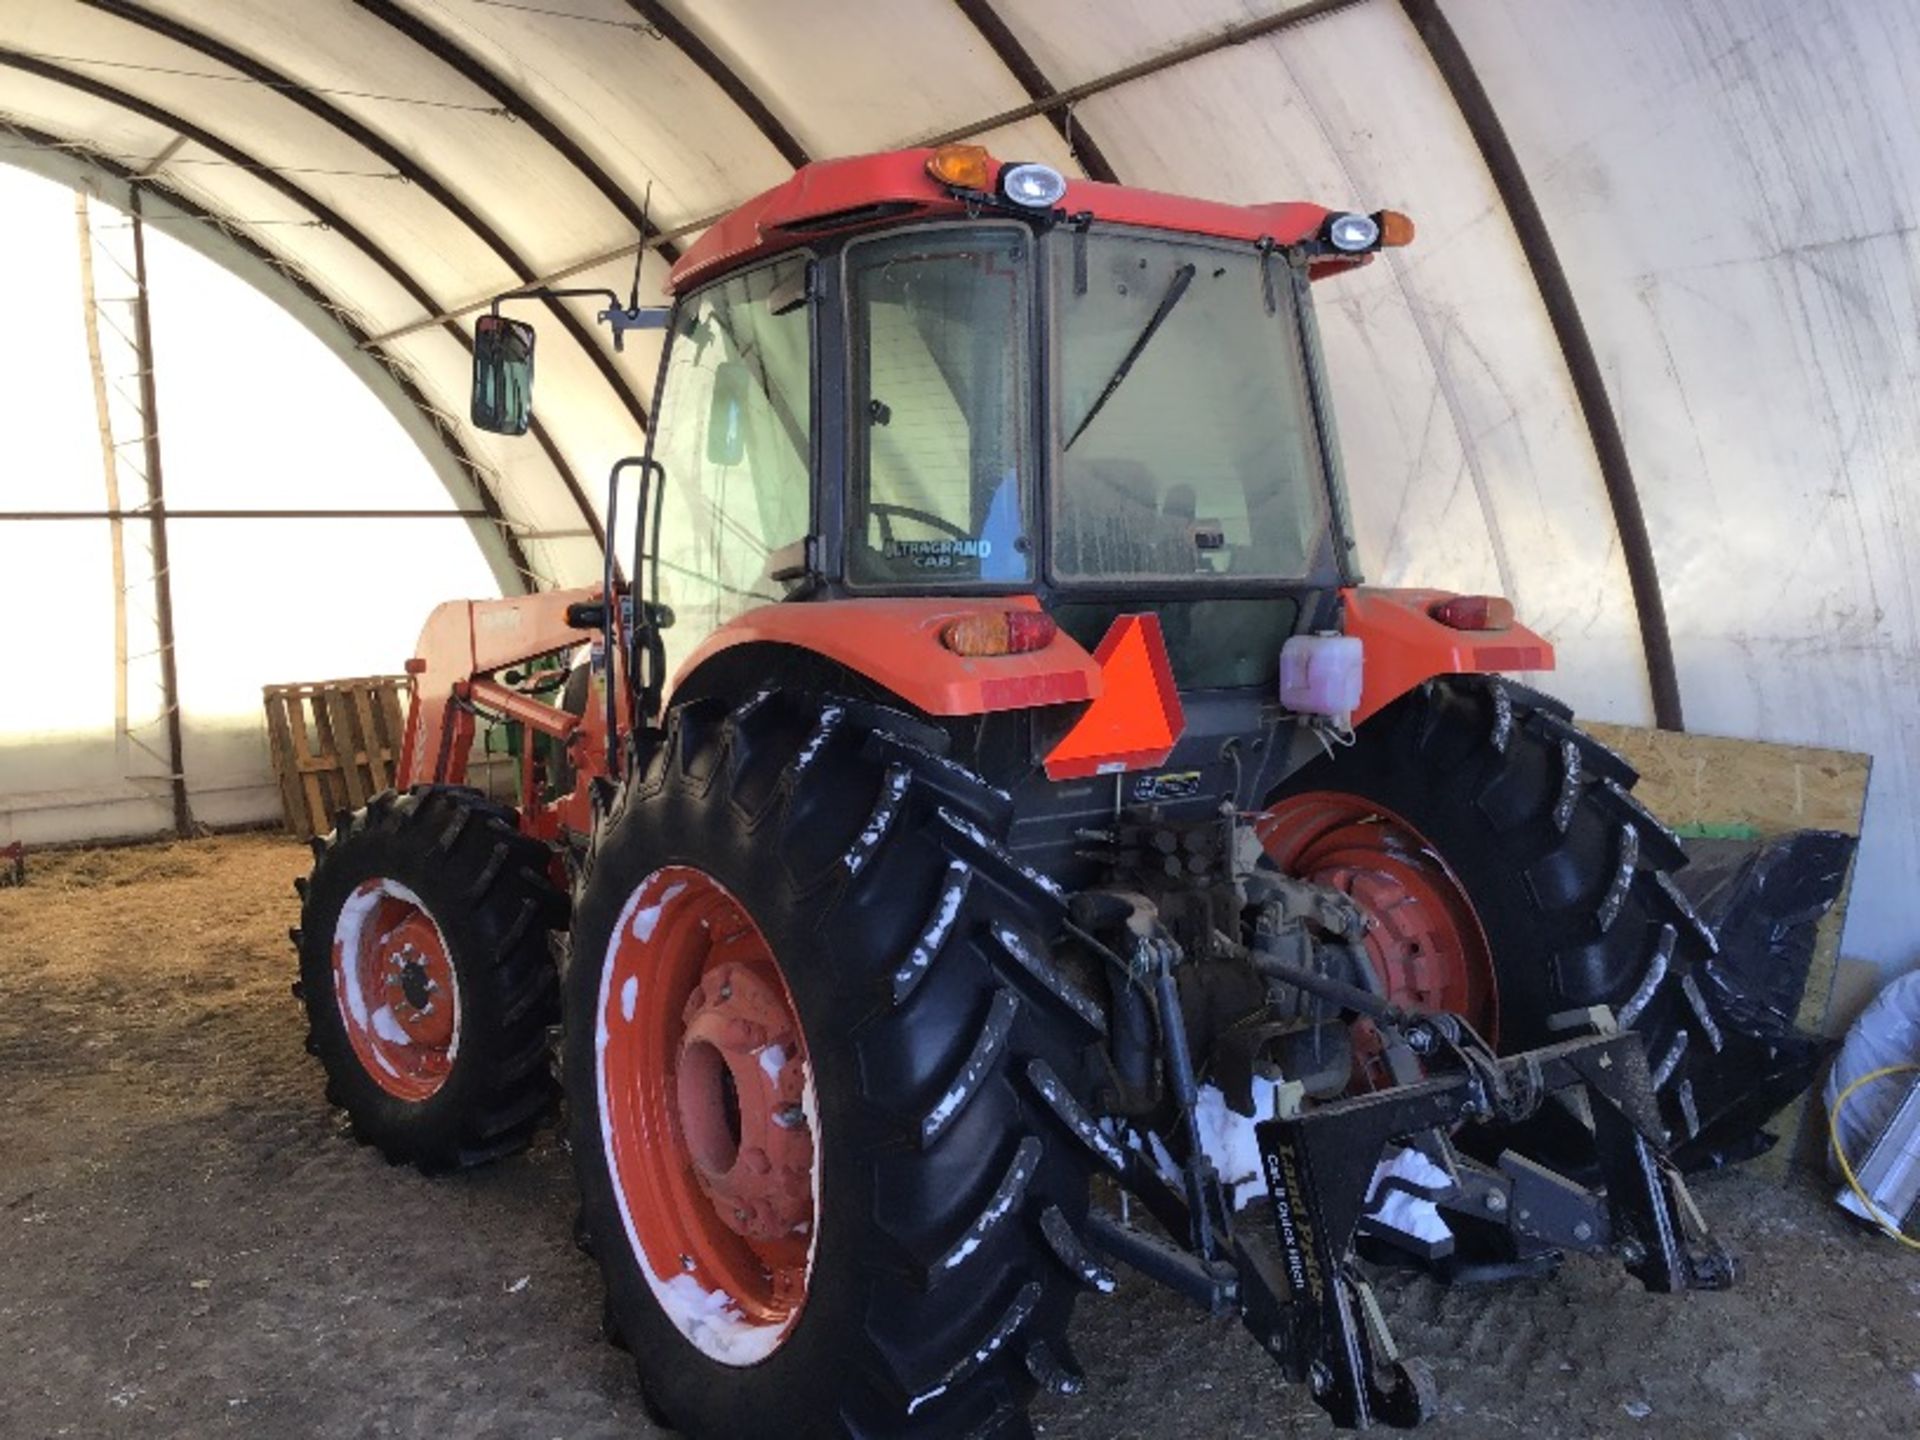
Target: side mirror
x: 727, y: 415
x: 502, y: 375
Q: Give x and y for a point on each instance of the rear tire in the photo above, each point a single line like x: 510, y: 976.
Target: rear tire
x: 1567, y: 874
x: 464, y: 1076
x: 946, y: 1060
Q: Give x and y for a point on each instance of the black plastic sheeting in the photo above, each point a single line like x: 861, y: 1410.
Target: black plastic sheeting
x: 1762, y: 899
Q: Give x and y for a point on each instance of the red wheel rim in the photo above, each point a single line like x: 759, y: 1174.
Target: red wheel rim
x: 1424, y: 938
x: 394, y: 988
x: 707, y: 1115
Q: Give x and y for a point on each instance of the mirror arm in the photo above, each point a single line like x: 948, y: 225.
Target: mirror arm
x: 620, y: 317
x: 623, y: 319
x: 551, y: 292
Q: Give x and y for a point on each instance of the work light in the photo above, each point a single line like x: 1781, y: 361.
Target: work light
x: 1036, y: 187
x: 1353, y: 233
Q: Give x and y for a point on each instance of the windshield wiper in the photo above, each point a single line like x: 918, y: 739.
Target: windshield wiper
x: 1182, y: 278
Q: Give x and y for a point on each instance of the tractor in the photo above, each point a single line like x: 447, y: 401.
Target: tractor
x: 980, y: 833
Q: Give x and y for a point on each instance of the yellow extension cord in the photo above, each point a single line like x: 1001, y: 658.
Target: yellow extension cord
x: 1879, y: 1216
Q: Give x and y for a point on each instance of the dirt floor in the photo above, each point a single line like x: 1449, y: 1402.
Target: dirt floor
x: 189, y: 1245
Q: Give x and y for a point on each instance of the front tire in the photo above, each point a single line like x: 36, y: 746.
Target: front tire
x: 810, y: 877
x: 428, y: 978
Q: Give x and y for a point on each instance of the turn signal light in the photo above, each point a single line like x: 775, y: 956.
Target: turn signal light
x: 1473, y: 612
x: 1395, y: 228
x: 965, y: 167
x: 1000, y: 632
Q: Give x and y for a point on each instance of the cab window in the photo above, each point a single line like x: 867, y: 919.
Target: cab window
x: 733, y: 438
x: 940, y: 338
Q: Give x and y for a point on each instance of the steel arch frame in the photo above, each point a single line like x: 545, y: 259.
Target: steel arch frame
x: 391, y: 155
x: 678, y: 34
x: 321, y: 211
x: 79, y: 160
x: 449, y: 52
x: 1020, y: 63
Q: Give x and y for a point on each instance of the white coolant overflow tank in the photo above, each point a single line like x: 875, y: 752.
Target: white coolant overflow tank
x: 1320, y: 674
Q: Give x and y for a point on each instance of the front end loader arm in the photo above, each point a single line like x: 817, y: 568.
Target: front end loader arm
x: 463, y: 643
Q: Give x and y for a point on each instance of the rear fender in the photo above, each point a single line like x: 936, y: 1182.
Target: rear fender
x: 1403, y: 646
x: 896, y: 644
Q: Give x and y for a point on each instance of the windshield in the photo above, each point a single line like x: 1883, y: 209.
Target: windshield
x: 941, y: 332
x: 1187, y: 441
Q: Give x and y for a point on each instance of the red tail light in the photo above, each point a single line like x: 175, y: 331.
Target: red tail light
x: 1000, y: 632
x: 1473, y: 612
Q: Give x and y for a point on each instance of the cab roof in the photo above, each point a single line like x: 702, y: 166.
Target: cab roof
x: 836, y: 196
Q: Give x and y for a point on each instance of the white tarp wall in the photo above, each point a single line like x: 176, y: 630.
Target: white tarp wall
x: 255, y: 415
x: 1735, y: 189
x: 1730, y: 184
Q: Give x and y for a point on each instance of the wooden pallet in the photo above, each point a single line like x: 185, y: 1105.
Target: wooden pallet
x: 335, y: 744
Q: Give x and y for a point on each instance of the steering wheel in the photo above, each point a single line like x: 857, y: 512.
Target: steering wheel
x: 881, y: 510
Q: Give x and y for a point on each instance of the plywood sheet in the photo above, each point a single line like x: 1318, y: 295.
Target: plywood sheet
x: 1710, y: 783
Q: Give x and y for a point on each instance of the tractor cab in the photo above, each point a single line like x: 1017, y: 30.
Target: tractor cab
x: 934, y: 373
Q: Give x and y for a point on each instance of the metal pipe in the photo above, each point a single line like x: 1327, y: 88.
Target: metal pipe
x: 109, y: 458
x: 1198, y: 1171
x: 552, y: 277
x: 444, y: 49
x: 1160, y: 1261
x: 99, y: 799
x: 1576, y: 348
x: 1337, y: 992
x: 156, y: 509
x: 1221, y: 39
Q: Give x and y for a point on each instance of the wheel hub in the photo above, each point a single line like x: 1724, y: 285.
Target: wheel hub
x: 394, y: 989
x: 416, y: 986
x: 738, y: 1087
x: 706, y: 1100
x: 1423, y: 938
